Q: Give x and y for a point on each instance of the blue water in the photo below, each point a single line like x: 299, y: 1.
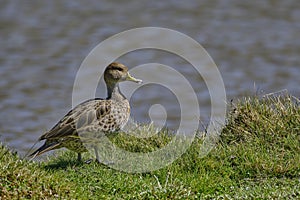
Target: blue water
x: 255, y: 45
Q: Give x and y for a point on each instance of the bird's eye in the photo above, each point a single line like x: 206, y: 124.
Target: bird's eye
x: 117, y: 68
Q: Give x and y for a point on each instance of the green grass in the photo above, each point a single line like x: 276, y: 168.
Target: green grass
x: 258, y: 156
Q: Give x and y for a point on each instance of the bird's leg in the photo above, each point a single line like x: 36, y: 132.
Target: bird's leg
x: 79, y: 157
x: 98, y: 158
x: 97, y: 154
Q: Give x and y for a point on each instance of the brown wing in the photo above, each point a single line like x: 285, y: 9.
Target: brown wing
x: 83, y: 116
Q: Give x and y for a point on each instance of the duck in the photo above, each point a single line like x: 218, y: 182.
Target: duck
x: 92, y: 116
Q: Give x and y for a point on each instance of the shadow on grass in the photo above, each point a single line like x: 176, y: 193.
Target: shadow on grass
x: 64, y: 164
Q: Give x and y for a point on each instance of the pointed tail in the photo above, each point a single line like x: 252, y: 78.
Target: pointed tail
x: 48, y: 146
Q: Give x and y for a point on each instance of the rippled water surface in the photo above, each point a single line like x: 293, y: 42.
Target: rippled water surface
x: 255, y: 45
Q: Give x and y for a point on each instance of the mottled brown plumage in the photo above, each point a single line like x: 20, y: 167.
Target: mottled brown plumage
x: 92, y: 116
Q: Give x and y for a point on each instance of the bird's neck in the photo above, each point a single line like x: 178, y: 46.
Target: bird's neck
x: 113, y: 92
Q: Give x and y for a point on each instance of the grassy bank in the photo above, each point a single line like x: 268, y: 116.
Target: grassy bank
x: 258, y: 156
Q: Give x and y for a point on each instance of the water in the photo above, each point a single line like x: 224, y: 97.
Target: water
x: 255, y: 44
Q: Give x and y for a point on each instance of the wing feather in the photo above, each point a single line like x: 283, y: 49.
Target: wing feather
x: 84, y: 115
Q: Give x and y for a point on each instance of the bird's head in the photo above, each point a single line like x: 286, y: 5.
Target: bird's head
x: 117, y: 72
